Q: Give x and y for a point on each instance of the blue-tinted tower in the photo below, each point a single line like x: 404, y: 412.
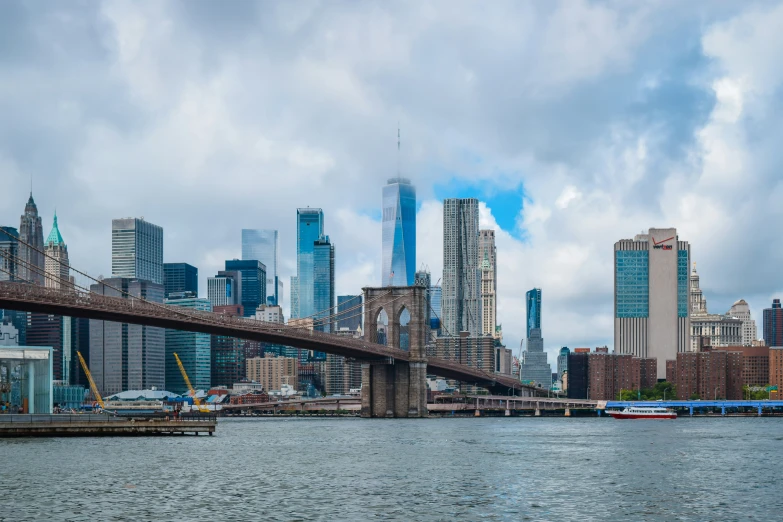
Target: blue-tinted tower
x: 533, y: 300
x: 253, y: 273
x: 323, y: 284
x: 399, y: 233
x: 309, y: 229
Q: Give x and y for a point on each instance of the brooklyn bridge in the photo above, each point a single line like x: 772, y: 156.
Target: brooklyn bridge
x: 393, y: 379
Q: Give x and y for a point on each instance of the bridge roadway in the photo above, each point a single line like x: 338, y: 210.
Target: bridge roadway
x: 33, y: 298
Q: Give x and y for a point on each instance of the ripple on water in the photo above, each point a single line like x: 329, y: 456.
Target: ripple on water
x: 435, y: 469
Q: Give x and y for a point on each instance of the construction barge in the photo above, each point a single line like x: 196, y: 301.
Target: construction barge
x: 102, y: 425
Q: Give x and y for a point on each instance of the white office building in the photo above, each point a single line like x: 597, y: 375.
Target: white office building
x: 652, y: 301
x: 137, y: 250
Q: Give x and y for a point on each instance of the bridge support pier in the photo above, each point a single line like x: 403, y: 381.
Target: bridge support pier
x: 396, y: 390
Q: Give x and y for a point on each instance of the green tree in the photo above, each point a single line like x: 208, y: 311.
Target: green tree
x: 695, y: 397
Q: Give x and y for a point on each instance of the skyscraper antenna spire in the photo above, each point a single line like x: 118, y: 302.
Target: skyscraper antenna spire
x: 398, y: 149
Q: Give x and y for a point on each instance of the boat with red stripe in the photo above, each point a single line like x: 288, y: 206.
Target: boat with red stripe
x: 643, y: 412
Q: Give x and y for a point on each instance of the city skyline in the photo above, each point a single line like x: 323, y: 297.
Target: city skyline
x: 559, y: 185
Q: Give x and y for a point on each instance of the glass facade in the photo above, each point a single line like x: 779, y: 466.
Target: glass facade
x: 137, y: 250
x: 253, y: 275
x: 323, y: 284
x: 309, y: 229
x: 350, y: 312
x: 193, y: 349
x: 436, y: 295
x: 263, y: 245
x: 533, y: 306
x: 682, y: 283
x: 399, y: 233
x: 179, y: 277
x: 632, y: 289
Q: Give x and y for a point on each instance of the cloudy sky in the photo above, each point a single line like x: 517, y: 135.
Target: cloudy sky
x: 575, y: 123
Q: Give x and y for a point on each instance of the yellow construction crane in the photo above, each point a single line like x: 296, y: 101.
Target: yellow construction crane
x: 92, y: 383
x: 196, y: 400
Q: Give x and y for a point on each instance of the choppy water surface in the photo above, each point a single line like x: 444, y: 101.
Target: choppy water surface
x: 434, y: 469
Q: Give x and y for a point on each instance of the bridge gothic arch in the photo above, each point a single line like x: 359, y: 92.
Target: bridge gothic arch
x: 396, y: 388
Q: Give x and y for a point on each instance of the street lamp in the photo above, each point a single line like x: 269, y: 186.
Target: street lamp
x: 588, y: 393
x: 664, y: 395
x: 716, y: 393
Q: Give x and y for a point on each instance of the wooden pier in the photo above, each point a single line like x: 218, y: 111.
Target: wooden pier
x: 102, y: 425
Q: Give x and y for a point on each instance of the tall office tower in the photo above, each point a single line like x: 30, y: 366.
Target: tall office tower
x: 534, y: 361
x: 323, y: 285
x: 137, y: 250
x: 436, y: 308
x: 309, y: 229
x: 179, y: 278
x: 31, y: 232
x: 225, y: 289
x: 533, y: 307
x: 56, y: 264
x: 127, y: 356
x: 773, y: 325
x: 489, y: 281
x: 52, y: 331
x: 562, y: 362
x: 263, y: 245
x: 461, y: 267
x: 349, y: 312
x: 253, y: 274
x: 741, y: 311
x: 652, y: 299
x: 399, y: 233
x: 9, y: 252
x: 193, y: 349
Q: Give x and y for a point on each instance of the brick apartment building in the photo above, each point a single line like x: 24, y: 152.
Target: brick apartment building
x: 601, y: 375
x: 709, y: 374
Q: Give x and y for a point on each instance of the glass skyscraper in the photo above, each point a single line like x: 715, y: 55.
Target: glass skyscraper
x: 263, y: 245
x: 193, y: 349
x: 180, y: 277
x: 533, y: 301
x: 399, y: 233
x: 253, y: 275
x: 309, y: 229
x: 323, y: 284
x: 137, y: 250
x: 350, y: 310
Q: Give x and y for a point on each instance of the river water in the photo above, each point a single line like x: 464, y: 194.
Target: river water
x: 417, y: 469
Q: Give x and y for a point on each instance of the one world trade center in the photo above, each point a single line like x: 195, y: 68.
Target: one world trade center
x: 399, y: 233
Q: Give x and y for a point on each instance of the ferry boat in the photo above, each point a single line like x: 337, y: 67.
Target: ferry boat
x: 643, y: 412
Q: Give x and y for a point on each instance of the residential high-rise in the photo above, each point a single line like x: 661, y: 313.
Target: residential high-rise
x: 773, y: 325
x: 264, y: 245
x: 399, y: 233
x: 31, y: 232
x: 652, y: 296
x: 127, y: 356
x: 349, y: 310
x: 273, y: 372
x: 740, y: 310
x: 193, y: 349
x: 534, y: 361
x: 323, y: 284
x: 253, y: 274
x: 461, y: 268
x: 309, y: 229
x: 137, y: 250
x: 57, y: 266
x: 533, y: 307
x: 225, y: 289
x: 180, y: 277
x: 489, y: 281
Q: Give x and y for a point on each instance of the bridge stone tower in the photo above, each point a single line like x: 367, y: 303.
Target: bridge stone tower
x: 396, y: 388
